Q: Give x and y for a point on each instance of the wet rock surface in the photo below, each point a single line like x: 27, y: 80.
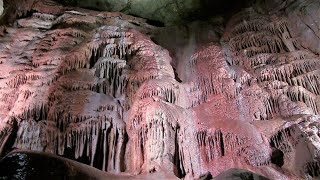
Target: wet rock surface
x: 33, y: 166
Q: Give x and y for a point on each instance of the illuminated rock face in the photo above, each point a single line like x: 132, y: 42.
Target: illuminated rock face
x: 93, y: 87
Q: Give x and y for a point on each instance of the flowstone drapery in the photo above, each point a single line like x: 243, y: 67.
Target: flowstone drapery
x: 93, y: 87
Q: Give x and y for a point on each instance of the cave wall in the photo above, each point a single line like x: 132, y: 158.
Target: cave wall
x: 114, y: 92
x: 305, y: 25
x: 164, y: 11
x: 1, y: 7
x: 303, y: 18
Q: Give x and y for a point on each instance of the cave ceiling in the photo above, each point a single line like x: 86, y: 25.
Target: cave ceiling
x: 164, y: 11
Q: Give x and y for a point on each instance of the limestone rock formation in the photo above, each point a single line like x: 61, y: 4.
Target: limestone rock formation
x: 94, y: 87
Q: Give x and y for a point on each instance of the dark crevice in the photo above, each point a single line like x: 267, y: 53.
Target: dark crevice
x: 176, y: 76
x: 313, y: 169
x: 176, y: 157
x: 37, y: 114
x: 206, y: 176
x: 99, y: 154
x: 209, y: 8
x: 123, y: 151
x: 68, y: 2
x: 7, y: 147
x: 277, y: 157
x: 69, y: 153
x: 84, y: 159
x: 27, y: 14
x: 155, y: 23
x: 149, y: 21
x: 96, y: 55
x: 221, y: 143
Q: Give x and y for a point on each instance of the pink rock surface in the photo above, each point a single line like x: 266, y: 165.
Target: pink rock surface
x: 93, y: 87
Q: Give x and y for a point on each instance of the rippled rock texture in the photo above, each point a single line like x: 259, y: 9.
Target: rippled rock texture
x: 93, y: 87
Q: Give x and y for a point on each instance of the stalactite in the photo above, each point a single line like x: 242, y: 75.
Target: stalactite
x: 244, y: 26
x: 297, y: 93
x: 156, y: 129
x: 309, y: 81
x: 255, y: 157
x: 259, y: 59
x: 83, y: 138
x: 286, y: 71
x: 164, y: 88
x: 280, y: 140
x: 277, y: 26
x: 79, y: 85
x: 291, y: 136
x: 256, y: 39
x: 41, y: 136
x: 216, y: 144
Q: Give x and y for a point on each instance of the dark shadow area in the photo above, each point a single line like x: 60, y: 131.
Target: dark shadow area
x: 210, y: 8
x: 36, y: 166
x: 201, y: 10
x: 206, y: 176
x: 10, y: 142
x: 239, y: 174
x: 155, y: 23
x: 277, y: 157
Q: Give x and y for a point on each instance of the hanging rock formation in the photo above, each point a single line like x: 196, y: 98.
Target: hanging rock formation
x: 93, y: 87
